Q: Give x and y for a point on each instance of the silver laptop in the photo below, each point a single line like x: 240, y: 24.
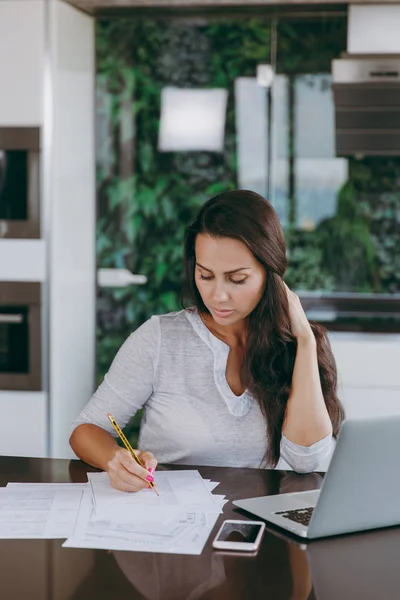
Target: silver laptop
x: 360, y: 491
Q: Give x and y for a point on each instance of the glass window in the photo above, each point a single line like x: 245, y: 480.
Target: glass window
x: 13, y: 185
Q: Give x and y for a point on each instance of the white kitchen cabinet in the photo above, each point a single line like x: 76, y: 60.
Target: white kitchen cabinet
x: 49, y: 83
x: 23, y: 424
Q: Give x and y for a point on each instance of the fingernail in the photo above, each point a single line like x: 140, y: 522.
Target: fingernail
x: 151, y: 470
x: 150, y: 478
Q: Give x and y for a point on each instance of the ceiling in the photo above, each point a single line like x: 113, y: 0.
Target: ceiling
x: 105, y: 7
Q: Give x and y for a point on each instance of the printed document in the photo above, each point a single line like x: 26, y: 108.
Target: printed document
x: 39, y: 511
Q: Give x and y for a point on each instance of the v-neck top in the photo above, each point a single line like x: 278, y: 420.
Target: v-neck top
x: 238, y: 406
x: 174, y: 368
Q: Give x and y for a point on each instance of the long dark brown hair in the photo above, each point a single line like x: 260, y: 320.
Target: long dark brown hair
x: 270, y: 353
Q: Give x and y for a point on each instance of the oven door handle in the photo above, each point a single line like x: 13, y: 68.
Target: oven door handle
x: 11, y: 319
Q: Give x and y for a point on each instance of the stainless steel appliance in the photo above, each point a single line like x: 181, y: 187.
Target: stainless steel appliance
x: 366, y: 92
x: 358, y: 312
x: 366, y: 83
x: 19, y: 182
x: 20, y: 336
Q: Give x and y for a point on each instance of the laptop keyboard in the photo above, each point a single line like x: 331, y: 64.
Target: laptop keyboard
x: 299, y: 515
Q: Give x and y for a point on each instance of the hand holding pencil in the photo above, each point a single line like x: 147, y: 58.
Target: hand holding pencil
x: 130, y: 470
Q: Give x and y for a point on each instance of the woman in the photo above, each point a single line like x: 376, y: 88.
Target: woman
x: 239, y: 379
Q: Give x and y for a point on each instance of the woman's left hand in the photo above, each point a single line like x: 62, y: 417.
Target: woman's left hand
x: 301, y: 328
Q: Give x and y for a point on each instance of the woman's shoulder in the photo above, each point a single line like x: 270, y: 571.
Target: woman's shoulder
x: 172, y: 321
x: 176, y: 322
x: 167, y: 330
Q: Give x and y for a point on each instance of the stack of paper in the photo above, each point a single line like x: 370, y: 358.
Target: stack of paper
x: 95, y: 515
x: 179, y: 520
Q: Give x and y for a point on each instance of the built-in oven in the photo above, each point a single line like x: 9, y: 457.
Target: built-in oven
x: 19, y: 182
x: 20, y: 336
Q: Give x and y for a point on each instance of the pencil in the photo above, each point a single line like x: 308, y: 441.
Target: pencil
x: 127, y: 445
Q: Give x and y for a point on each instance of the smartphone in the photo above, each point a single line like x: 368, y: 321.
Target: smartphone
x: 239, y: 535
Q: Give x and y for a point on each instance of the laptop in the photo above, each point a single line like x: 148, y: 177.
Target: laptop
x: 360, y: 491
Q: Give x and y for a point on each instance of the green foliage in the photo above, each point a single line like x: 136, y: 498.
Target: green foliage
x: 377, y: 181
x: 306, y: 270
x: 386, y: 235
x: 347, y: 247
x: 309, y: 45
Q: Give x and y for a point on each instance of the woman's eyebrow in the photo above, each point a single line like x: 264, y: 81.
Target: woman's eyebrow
x: 226, y: 272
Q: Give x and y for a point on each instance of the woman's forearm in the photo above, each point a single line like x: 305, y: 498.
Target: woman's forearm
x: 93, y: 445
x: 307, y: 420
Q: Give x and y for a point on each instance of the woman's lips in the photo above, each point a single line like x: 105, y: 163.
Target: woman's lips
x: 222, y: 313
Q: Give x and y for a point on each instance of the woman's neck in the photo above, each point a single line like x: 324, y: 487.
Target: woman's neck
x: 232, y: 335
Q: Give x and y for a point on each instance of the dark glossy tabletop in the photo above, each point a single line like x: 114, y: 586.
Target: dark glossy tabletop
x: 363, y: 566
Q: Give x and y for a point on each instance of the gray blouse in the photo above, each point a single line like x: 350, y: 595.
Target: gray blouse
x: 174, y: 368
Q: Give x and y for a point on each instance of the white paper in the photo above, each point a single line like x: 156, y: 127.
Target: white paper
x: 179, y: 520
x: 220, y: 500
x: 211, y: 485
x: 38, y: 511
x: 47, y: 486
x: 186, y: 533
x: 175, y: 488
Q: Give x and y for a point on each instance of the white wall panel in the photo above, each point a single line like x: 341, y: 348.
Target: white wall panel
x: 21, y: 63
x: 367, y: 360
x: 22, y: 260
x: 72, y: 223
x: 368, y: 373
x: 23, y: 423
x: 371, y: 402
x: 373, y: 29
x: 251, y: 110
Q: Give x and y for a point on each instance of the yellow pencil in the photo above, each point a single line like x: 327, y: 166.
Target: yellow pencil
x: 129, y: 447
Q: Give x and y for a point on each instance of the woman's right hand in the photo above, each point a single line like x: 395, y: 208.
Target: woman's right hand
x: 126, y: 475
